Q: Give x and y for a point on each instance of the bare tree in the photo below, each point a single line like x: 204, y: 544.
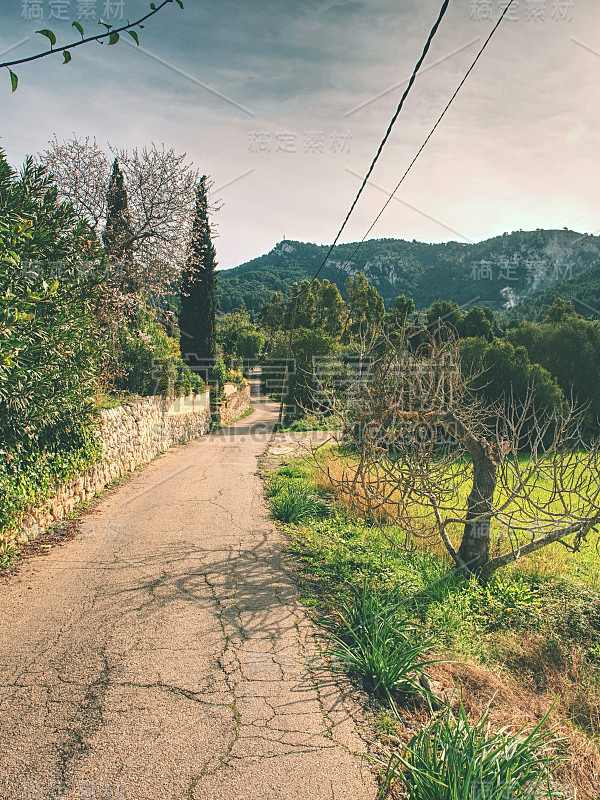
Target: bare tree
x: 161, y: 194
x: 493, y: 483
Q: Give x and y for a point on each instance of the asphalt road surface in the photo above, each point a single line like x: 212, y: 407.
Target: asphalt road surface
x: 163, y: 653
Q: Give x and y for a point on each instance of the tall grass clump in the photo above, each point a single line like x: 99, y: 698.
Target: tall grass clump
x: 453, y: 759
x: 294, y: 502
x: 373, y: 638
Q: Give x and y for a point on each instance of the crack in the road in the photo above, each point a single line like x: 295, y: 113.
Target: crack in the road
x: 89, y: 714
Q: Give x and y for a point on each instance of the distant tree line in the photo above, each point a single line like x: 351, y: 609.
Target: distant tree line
x: 560, y: 355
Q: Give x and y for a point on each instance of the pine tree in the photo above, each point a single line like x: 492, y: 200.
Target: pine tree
x: 198, y: 285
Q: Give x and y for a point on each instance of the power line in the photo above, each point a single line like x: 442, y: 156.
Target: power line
x: 423, y: 146
x: 390, y: 126
x: 433, y: 130
x: 413, y: 77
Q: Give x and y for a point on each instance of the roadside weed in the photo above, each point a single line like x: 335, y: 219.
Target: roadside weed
x: 294, y: 502
x: 8, y: 553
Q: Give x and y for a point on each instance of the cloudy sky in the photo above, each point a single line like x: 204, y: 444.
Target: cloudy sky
x: 283, y: 104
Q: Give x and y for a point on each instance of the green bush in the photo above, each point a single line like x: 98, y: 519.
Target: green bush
x: 151, y: 361
x: 51, y: 280
x: 219, y: 373
x: 52, y: 274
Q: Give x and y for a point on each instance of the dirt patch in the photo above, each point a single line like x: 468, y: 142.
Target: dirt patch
x: 60, y: 533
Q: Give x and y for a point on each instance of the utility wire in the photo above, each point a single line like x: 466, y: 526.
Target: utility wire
x: 381, y: 146
x: 433, y: 130
x: 413, y: 77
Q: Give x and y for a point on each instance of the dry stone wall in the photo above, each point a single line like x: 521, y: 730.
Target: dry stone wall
x: 132, y: 435
x: 235, y: 405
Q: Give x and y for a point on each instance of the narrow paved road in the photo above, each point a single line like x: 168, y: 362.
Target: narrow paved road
x: 164, y: 654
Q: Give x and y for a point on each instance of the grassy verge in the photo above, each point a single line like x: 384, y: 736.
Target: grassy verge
x: 307, y: 422
x: 532, y: 635
x: 217, y: 426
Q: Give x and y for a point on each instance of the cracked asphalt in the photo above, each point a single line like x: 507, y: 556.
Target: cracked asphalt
x: 163, y: 653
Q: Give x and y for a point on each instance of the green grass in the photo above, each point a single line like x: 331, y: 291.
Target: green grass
x: 8, y: 554
x: 536, y: 623
x: 583, y: 566
x: 338, y: 554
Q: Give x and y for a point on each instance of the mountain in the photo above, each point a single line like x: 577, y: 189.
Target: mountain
x: 583, y: 290
x: 500, y: 272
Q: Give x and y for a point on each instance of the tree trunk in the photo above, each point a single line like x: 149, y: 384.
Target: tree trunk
x: 475, y: 545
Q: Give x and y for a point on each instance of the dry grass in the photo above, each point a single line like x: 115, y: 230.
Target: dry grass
x: 515, y: 705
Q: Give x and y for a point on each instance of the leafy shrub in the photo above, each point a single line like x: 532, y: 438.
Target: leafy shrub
x: 373, y: 638
x: 236, y: 376
x: 219, y: 373
x: 52, y: 276
x: 51, y: 280
x: 151, y: 361
x: 310, y: 422
x: 452, y: 759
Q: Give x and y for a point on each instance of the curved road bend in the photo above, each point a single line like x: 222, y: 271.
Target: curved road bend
x: 164, y: 654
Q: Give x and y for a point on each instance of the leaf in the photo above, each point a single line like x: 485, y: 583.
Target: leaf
x: 153, y: 6
x: 67, y: 56
x: 49, y: 35
x: 79, y: 27
x: 106, y: 25
x: 135, y: 37
x: 13, y: 80
x: 113, y: 38
x: 179, y: 3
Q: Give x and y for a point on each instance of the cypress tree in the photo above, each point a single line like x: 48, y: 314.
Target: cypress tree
x: 198, y: 285
x: 117, y: 234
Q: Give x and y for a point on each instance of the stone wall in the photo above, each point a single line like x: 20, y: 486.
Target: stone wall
x: 234, y: 406
x: 132, y: 435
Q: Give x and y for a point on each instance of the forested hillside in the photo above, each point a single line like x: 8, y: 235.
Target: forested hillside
x: 583, y: 290
x: 499, y: 272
